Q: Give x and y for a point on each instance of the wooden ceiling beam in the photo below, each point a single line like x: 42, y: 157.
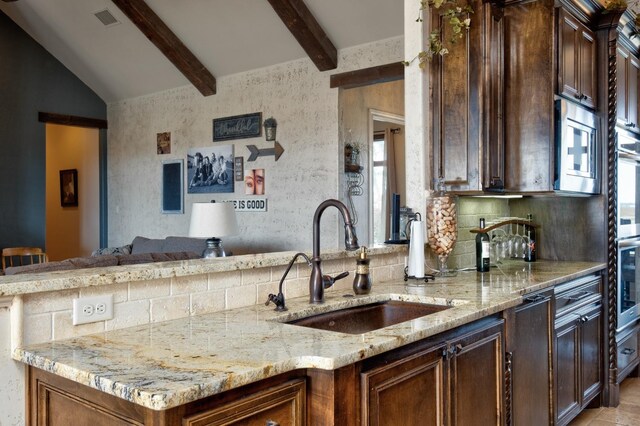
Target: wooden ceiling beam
x: 305, y: 28
x: 169, y: 44
x: 72, y: 120
x: 363, y: 77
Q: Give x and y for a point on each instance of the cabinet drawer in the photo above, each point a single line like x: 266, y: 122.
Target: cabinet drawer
x: 576, y: 294
x: 627, y: 351
x: 279, y: 405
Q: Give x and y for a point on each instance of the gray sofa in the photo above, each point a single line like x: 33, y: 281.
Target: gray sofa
x: 141, y: 250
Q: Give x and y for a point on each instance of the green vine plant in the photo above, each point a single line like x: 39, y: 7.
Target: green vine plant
x: 455, y: 16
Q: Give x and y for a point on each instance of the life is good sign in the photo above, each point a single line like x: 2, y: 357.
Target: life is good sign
x: 249, y: 204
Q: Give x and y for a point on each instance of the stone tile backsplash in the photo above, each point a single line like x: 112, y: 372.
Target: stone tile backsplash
x: 48, y: 316
x: 470, y: 210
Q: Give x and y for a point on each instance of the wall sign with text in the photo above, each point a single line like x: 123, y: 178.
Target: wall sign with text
x: 237, y: 127
x: 248, y: 204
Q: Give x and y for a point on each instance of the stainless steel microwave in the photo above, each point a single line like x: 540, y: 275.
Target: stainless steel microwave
x: 577, y: 165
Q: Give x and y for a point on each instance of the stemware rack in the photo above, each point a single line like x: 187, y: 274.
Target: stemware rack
x: 502, y: 221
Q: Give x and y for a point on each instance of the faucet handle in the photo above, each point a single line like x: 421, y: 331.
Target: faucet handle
x: 277, y: 300
x: 328, y: 280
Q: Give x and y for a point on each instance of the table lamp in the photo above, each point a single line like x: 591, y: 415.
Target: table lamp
x: 213, y: 220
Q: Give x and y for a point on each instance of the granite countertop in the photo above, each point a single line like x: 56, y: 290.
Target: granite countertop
x: 64, y: 280
x: 167, y: 364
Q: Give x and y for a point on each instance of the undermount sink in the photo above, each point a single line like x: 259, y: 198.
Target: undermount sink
x: 365, y: 318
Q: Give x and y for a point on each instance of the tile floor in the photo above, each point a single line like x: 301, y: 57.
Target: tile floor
x: 627, y: 413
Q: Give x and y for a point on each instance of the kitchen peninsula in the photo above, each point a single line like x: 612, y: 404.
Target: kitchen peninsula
x: 201, y: 364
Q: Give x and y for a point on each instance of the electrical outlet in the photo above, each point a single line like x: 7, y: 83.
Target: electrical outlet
x: 92, y: 309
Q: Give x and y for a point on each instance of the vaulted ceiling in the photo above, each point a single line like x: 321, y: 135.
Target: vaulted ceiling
x: 223, y: 36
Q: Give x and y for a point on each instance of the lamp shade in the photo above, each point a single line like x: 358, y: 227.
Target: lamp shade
x: 212, y: 220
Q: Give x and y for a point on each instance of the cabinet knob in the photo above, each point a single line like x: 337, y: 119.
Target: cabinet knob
x: 578, y: 95
x: 627, y: 351
x: 271, y: 423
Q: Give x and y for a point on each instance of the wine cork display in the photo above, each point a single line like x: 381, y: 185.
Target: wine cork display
x: 442, y: 224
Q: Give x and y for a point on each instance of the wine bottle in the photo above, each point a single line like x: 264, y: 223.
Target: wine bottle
x: 483, y: 248
x: 530, y: 232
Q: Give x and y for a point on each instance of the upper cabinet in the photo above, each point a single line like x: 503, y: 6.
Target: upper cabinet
x: 467, y: 88
x: 576, y: 60
x: 494, y: 121
x: 627, y: 83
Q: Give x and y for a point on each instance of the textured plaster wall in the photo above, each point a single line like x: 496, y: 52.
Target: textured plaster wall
x: 296, y: 94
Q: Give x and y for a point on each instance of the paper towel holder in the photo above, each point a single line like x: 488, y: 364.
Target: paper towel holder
x: 426, y: 277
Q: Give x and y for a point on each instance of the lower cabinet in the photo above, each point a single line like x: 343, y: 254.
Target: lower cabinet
x: 532, y: 356
x: 454, y: 381
x: 277, y: 406
x: 578, y: 350
x: 56, y: 401
x: 627, y: 344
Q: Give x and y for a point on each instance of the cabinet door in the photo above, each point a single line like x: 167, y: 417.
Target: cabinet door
x: 591, y: 353
x: 622, y: 63
x: 531, y: 362
x: 457, y: 104
x: 407, y: 392
x: 576, y: 64
x: 472, y: 387
x: 529, y: 113
x: 632, y: 93
x: 567, y: 371
x: 569, y: 51
x: 587, y: 67
x: 279, y: 405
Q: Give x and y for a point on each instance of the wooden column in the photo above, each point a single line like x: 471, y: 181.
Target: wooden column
x: 607, y: 37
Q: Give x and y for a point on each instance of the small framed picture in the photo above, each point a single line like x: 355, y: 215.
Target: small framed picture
x: 69, y: 188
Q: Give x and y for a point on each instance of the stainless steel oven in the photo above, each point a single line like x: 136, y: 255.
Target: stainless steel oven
x: 628, y: 284
x: 628, y: 204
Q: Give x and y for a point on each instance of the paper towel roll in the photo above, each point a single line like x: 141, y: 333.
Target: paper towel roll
x: 416, y: 250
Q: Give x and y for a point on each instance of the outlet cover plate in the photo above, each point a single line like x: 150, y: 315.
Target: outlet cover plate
x: 92, y: 309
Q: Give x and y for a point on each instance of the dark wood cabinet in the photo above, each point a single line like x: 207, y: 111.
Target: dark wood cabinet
x: 627, y: 348
x: 529, y: 95
x: 578, y: 357
x: 408, y: 391
x: 472, y: 386
x: 440, y: 384
x: 467, y: 106
x: 56, y: 401
x: 627, y: 89
x: 576, y: 60
x: 281, y: 405
x: 532, y: 375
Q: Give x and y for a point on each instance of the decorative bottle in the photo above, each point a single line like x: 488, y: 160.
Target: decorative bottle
x: 362, y: 281
x: 530, y: 233
x: 483, y: 249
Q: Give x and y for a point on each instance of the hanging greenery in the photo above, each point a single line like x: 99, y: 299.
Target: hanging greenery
x: 457, y: 19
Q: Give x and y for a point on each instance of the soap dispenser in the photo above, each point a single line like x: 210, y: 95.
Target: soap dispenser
x: 362, y: 281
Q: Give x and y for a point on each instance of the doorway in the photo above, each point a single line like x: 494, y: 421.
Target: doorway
x: 387, y: 162
x: 72, y: 228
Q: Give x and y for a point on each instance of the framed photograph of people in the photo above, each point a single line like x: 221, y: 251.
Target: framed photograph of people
x: 254, y: 181
x: 69, y: 188
x: 210, y: 169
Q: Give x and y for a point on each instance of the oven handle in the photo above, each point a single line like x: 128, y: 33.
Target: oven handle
x: 629, y: 243
x: 627, y: 155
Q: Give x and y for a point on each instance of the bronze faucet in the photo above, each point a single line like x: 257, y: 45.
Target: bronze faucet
x: 317, y: 281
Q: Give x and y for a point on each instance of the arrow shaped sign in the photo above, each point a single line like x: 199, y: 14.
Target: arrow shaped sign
x: 276, y: 151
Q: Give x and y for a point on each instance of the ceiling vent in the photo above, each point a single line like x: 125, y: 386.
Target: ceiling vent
x: 107, y: 19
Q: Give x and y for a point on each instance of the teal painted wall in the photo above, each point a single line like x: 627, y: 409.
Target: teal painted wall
x: 31, y: 81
